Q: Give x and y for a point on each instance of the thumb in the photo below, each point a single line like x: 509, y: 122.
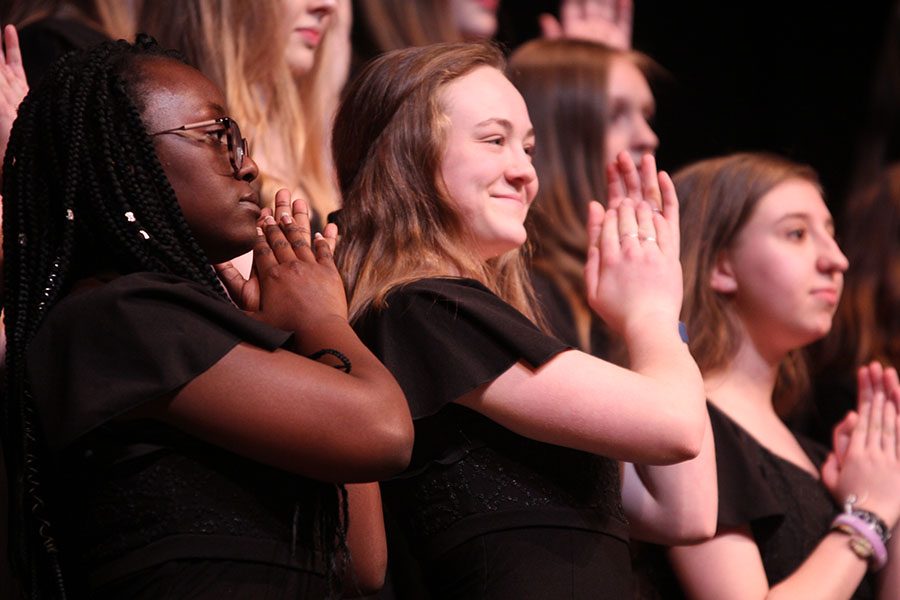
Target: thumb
x: 830, y: 472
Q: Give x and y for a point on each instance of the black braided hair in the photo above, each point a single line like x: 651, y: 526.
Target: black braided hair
x: 83, y: 193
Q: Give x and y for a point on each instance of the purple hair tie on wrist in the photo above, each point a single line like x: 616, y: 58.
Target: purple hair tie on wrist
x: 868, y: 533
x: 856, y: 526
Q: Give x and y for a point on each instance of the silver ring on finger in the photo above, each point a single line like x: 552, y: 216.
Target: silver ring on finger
x: 648, y: 238
x: 630, y: 235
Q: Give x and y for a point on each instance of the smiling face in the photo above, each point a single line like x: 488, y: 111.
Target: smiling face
x: 486, y: 167
x: 307, y: 21
x: 631, y: 106
x: 784, y: 271
x: 218, y: 204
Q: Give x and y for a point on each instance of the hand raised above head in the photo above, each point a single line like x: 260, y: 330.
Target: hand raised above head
x: 603, y: 21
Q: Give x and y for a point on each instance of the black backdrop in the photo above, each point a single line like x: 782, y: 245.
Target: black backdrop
x: 793, y: 77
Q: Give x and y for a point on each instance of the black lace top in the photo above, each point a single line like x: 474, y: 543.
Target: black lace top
x: 788, y: 510
x: 442, y: 338
x: 136, y: 493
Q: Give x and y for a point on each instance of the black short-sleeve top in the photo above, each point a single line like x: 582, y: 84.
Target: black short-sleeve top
x: 787, y: 509
x: 442, y: 338
x: 135, y: 493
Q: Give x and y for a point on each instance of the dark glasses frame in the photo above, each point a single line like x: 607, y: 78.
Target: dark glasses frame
x: 238, y: 147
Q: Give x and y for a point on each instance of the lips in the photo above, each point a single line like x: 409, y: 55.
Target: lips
x: 309, y: 35
x: 251, y: 199
x: 829, y: 295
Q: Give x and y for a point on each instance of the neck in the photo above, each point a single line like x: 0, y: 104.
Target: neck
x: 747, y: 382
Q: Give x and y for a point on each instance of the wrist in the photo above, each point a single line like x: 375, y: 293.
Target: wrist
x: 868, y: 533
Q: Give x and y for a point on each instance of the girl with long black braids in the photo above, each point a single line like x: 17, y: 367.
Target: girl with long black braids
x: 161, y: 442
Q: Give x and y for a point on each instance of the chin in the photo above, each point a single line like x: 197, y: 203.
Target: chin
x: 300, y: 62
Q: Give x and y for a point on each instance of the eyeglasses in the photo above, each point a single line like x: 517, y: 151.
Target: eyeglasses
x: 238, y: 147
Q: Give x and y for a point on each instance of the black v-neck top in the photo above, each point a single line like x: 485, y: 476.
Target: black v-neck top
x: 788, y: 510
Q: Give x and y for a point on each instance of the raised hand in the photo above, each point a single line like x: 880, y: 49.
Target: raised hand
x: 13, y: 85
x: 605, y: 21
x: 870, y: 465
x: 632, y: 271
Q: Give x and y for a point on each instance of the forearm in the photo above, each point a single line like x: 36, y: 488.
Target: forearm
x: 366, y: 540
x: 832, y: 572
x: 657, y: 352
x: 674, y: 504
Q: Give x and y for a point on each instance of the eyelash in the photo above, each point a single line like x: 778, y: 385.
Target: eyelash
x: 797, y: 234
x: 500, y: 141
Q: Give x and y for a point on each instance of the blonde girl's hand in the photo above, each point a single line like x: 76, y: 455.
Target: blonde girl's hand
x: 870, y: 467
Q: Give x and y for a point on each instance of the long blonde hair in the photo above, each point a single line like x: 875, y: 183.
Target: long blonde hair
x: 398, y: 222
x: 239, y: 45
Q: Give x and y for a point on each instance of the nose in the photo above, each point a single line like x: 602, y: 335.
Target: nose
x: 645, y: 139
x: 322, y: 8
x: 520, y: 171
x: 831, y: 258
x: 249, y: 170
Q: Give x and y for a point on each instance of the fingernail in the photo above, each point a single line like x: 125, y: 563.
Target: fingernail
x: 318, y: 236
x: 269, y: 220
x: 286, y: 218
x: 259, y: 231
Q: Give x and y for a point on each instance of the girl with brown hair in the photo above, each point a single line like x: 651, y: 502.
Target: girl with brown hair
x: 514, y: 490
x: 588, y: 103
x: 763, y: 276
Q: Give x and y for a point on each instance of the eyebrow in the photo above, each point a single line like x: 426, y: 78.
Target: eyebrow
x: 805, y: 216
x: 505, y: 123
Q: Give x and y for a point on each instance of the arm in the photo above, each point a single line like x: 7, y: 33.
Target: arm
x: 283, y: 409
x: 676, y: 504
x: 366, y: 540
x: 729, y: 566
x: 832, y: 571
x: 654, y: 413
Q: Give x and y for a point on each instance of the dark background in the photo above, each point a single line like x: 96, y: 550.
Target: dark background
x: 792, y: 77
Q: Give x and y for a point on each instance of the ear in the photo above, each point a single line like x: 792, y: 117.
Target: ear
x: 722, y: 277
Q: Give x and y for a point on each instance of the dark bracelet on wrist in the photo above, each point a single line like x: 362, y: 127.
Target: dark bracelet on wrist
x: 345, y: 365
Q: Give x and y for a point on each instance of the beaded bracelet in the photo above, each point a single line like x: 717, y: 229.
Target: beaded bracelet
x: 345, y: 365
x: 868, y: 533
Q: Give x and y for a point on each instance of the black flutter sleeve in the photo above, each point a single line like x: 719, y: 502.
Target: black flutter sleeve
x: 744, y: 494
x: 109, y: 349
x: 442, y: 338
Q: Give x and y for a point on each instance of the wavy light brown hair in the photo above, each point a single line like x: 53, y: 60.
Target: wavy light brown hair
x: 239, y: 45
x: 564, y: 83
x: 718, y: 197
x: 399, y: 224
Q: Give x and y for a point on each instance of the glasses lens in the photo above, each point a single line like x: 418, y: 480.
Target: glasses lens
x: 237, y: 145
